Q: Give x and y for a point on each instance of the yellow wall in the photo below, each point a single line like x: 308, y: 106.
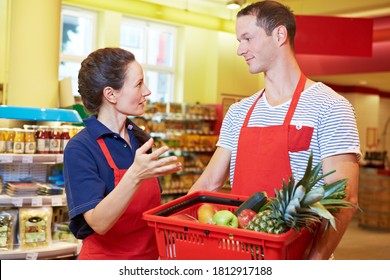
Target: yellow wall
x: 109, y: 29
x: 3, y: 37
x: 34, y: 43
x: 200, y: 65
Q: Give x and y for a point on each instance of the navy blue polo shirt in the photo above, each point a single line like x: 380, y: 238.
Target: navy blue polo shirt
x: 87, y: 174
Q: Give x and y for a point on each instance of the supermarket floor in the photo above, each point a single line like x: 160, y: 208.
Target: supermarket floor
x: 360, y: 243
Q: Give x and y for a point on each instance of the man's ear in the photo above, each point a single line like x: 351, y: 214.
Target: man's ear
x: 109, y: 94
x: 280, y: 34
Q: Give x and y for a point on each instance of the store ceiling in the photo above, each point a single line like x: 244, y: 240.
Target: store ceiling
x: 346, y: 8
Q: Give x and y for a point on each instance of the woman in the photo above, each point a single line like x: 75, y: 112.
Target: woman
x: 110, y: 171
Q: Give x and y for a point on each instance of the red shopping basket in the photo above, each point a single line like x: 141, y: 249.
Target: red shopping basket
x: 190, y: 240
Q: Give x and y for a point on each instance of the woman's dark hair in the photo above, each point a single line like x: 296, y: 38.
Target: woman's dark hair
x: 271, y: 14
x: 102, y: 68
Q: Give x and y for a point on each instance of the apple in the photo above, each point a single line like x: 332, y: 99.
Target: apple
x: 206, y: 212
x: 225, y: 218
x: 245, y: 217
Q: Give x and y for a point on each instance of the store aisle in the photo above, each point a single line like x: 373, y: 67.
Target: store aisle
x: 363, y: 244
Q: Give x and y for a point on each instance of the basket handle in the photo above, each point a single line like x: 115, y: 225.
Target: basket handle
x: 195, y: 200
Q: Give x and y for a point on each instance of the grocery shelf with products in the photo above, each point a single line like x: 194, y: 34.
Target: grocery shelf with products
x: 191, y: 131
x: 33, y: 211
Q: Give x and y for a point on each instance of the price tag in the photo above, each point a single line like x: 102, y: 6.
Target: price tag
x: 18, y: 201
x: 5, y: 159
x: 36, y: 201
x: 56, y: 201
x: 31, y: 256
x: 59, y: 158
x: 27, y: 159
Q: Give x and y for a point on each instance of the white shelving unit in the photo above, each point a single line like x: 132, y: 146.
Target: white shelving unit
x: 14, y: 167
x: 56, y: 250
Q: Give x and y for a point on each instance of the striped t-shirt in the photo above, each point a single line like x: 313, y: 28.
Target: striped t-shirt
x: 331, y: 115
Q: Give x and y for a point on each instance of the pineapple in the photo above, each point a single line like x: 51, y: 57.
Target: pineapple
x: 300, y: 205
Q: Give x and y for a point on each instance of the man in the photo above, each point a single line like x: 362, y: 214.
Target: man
x: 269, y: 136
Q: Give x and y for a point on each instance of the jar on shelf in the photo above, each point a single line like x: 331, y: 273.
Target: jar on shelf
x: 55, y: 141
x: 43, y: 139
x: 2, y: 140
x: 30, y: 145
x: 19, y: 141
x: 65, y: 137
x: 9, y: 140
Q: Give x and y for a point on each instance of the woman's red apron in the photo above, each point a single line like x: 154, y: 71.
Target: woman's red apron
x: 263, y: 160
x: 130, y: 237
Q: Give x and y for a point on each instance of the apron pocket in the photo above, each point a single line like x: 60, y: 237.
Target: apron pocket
x: 299, y: 138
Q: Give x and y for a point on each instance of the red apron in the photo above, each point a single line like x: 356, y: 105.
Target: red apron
x: 263, y: 159
x: 130, y: 237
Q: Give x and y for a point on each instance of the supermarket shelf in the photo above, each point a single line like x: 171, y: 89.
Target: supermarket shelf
x: 53, y: 251
x: 31, y: 158
x: 39, y: 114
x: 32, y: 201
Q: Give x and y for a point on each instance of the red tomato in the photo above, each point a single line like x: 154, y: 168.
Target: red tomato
x: 245, y: 217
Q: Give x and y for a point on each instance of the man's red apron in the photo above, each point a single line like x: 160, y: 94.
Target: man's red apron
x: 263, y: 159
x: 130, y: 237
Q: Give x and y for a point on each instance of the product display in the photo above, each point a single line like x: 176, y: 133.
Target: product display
x: 189, y: 130
x: 34, y: 139
x: 9, y: 135
x: 8, y: 222
x: 30, y: 141
x: 61, y: 232
x: 21, y: 188
x: 2, y: 140
x: 35, y: 227
x: 18, y: 141
x: 33, y: 204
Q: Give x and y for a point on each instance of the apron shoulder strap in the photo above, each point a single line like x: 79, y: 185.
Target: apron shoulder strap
x: 248, y: 115
x: 294, y: 102
x: 106, y: 153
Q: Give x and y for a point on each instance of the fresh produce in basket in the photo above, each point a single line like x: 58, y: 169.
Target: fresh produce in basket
x: 206, y: 212
x: 245, y: 217
x: 225, y: 218
x: 254, y: 202
x: 300, y: 205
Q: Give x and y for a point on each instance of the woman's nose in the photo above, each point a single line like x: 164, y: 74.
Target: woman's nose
x: 146, y: 91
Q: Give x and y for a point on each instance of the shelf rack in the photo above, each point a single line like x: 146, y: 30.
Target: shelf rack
x: 12, y: 164
x: 39, y: 114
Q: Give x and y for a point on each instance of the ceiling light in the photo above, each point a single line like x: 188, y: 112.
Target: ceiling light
x: 233, y: 5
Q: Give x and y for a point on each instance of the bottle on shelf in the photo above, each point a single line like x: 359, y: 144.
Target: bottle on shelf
x: 55, y: 141
x: 18, y: 141
x: 65, y: 137
x: 30, y: 146
x: 2, y: 140
x: 43, y: 140
x: 9, y: 140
